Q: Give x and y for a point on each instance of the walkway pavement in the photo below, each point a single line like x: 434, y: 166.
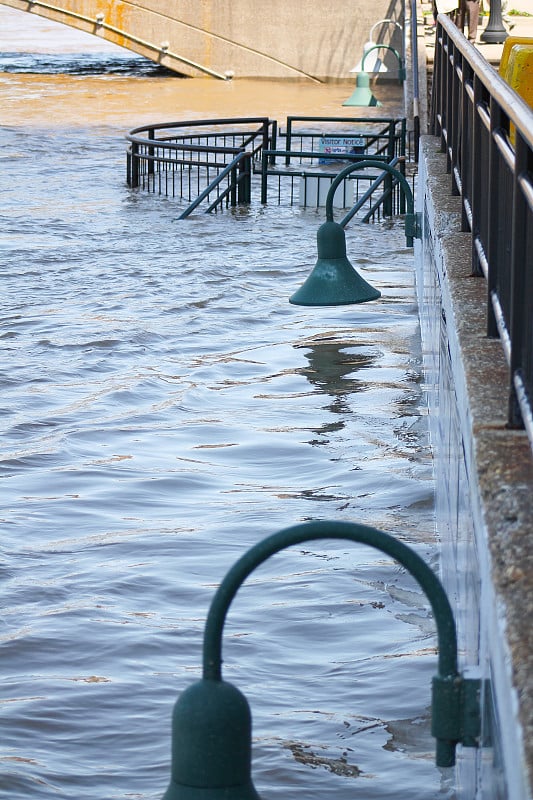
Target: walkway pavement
x: 518, y: 21
x: 497, y: 460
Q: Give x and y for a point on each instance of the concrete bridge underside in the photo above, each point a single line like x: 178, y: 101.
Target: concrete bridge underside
x: 309, y: 39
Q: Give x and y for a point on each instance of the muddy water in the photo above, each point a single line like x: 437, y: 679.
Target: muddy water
x: 145, y: 95
x: 27, y: 99
x: 163, y: 409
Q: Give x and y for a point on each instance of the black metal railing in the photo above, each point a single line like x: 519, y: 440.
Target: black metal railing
x: 207, y: 158
x: 382, y: 136
x: 305, y: 160
x: 308, y: 183
x: 212, y: 162
x: 486, y: 131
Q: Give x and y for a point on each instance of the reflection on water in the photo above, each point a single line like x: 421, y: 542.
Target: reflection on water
x: 161, y: 403
x: 330, y: 363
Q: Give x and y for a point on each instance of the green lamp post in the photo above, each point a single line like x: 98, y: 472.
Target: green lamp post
x: 334, y: 281
x: 362, y: 94
x: 211, y: 728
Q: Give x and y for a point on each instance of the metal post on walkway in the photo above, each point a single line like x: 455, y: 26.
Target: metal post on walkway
x: 495, y: 32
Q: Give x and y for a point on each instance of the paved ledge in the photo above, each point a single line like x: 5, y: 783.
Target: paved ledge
x: 499, y: 470
x: 519, y: 23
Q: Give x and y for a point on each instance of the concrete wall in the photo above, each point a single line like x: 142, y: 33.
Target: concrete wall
x: 484, y: 488
x: 309, y: 39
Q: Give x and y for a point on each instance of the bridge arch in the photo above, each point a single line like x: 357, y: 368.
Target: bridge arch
x: 246, y: 38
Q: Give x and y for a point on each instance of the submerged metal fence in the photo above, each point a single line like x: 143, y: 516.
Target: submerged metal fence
x: 308, y: 164
x: 486, y: 131
x: 207, y: 158
x: 212, y: 162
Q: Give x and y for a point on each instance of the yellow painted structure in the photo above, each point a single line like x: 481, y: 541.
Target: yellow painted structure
x: 517, y: 71
x: 507, y: 45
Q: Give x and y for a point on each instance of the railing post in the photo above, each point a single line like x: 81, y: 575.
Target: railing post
x: 519, y: 262
x: 401, y: 160
x: 274, y: 141
x: 134, y: 165
x: 264, y: 176
x: 455, y: 119
x: 288, y: 138
x: 391, y: 145
x: 478, y: 177
x: 151, y: 151
x: 493, y: 218
x: 234, y: 183
x: 244, y: 190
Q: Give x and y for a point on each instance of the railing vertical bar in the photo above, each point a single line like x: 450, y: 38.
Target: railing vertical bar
x: 486, y: 132
x: 519, y: 262
x: 151, y: 136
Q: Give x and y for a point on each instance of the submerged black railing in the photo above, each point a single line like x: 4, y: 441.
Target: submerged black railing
x: 486, y: 131
x: 309, y: 156
x: 207, y: 158
x: 211, y: 163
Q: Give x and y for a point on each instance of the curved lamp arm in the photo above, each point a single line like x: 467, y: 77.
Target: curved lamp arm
x: 455, y: 700
x: 412, y: 228
x: 383, y: 22
x: 329, y: 530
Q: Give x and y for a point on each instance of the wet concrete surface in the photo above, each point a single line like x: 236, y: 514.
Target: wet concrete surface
x: 499, y: 460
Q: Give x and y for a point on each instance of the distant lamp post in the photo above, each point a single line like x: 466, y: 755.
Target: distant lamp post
x: 334, y: 281
x: 494, y: 32
x: 362, y: 94
x: 211, y: 728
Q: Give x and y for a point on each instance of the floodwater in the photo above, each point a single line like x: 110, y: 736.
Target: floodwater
x: 163, y: 409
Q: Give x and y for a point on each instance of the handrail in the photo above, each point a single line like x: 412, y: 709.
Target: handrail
x: 99, y: 22
x: 369, y: 192
x: 474, y: 112
x: 416, y: 82
x: 389, y: 129
x: 269, y: 157
x: 200, y: 123
x: 213, y: 185
x: 264, y: 124
x: 179, y: 156
x: 179, y: 152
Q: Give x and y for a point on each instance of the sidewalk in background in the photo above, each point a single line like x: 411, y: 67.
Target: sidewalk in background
x: 516, y: 24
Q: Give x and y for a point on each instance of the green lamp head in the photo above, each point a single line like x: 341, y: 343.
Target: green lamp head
x: 362, y: 94
x: 211, y: 744
x: 333, y: 281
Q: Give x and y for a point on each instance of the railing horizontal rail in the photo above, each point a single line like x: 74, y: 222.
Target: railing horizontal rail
x: 158, y: 144
x: 214, y: 184
x: 100, y: 24
x: 486, y: 132
x: 200, y: 123
x: 191, y: 159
